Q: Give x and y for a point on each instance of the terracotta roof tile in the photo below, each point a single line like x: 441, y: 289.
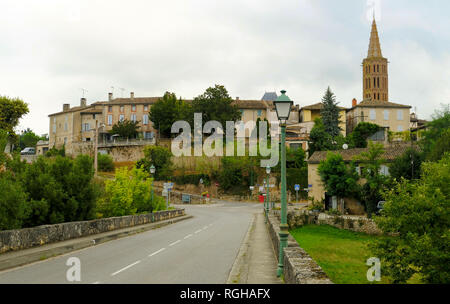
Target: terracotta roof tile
x: 318, y: 106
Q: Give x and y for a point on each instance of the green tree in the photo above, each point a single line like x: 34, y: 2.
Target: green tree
x: 168, y: 110
x: 330, y: 113
x: 161, y: 158
x: 29, y: 139
x: 418, y: 212
x: 126, y: 128
x: 129, y: 193
x: 11, y: 110
x: 319, y: 138
x: 3, y: 143
x: 216, y: 104
x: 441, y: 146
x: 13, y: 205
x: 339, y: 179
x: 359, y: 136
x: 406, y: 165
x: 371, y: 192
x: 436, y: 129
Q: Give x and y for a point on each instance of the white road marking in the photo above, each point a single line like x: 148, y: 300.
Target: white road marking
x: 96, y: 282
x: 156, y: 252
x: 175, y: 243
x: 198, y: 231
x: 125, y: 268
x: 206, y: 227
x: 188, y: 236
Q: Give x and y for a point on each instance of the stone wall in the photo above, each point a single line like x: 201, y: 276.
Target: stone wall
x: 297, y: 218
x: 30, y: 237
x: 299, y: 267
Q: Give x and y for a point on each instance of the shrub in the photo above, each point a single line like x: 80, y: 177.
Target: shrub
x: 55, y: 152
x: 418, y: 212
x: 13, y: 205
x: 129, y: 193
x: 105, y: 163
x: 192, y: 179
x: 160, y: 157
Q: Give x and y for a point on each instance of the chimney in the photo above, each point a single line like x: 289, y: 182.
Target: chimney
x: 110, y: 96
x: 83, y: 102
x: 132, y: 95
x: 354, y: 102
x: 66, y: 107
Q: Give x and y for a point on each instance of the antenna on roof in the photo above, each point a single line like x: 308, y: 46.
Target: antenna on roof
x: 121, y: 93
x: 84, y: 91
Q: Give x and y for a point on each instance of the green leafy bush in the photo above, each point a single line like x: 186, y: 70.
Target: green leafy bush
x: 161, y: 158
x: 192, y: 179
x: 105, y: 163
x: 129, y: 193
x: 418, y: 212
x: 13, y: 204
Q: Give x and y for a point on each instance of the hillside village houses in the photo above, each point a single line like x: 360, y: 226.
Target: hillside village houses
x: 75, y: 127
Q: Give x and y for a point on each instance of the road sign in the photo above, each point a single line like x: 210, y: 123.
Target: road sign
x: 309, y: 186
x: 297, y: 187
x: 252, y: 188
x: 168, y: 186
x: 165, y: 192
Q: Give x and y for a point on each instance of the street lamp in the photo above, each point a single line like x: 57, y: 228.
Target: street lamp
x: 267, y: 192
x: 152, y: 171
x: 283, y: 107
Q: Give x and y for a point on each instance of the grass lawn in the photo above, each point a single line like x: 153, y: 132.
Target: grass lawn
x: 342, y: 254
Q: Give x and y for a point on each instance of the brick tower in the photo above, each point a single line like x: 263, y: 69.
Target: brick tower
x: 375, y: 70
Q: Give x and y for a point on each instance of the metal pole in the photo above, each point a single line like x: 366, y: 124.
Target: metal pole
x: 268, y: 200
x: 283, y: 226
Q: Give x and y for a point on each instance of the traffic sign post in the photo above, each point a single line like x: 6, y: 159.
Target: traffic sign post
x: 297, y: 188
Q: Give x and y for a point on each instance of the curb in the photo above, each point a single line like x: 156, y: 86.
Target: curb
x: 40, y: 255
x: 235, y: 274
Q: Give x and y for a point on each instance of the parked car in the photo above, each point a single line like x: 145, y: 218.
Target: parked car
x: 28, y: 151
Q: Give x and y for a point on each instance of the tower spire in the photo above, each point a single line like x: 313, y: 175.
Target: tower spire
x: 374, y: 45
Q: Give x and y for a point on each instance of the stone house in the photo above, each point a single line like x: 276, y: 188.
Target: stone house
x: 309, y: 113
x: 317, y: 191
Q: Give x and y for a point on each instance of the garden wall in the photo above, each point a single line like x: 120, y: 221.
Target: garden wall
x: 29, y: 237
x: 299, y: 267
x: 297, y: 218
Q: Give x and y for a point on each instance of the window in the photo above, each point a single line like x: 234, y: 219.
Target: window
x: 133, y: 108
x: 65, y: 126
x: 362, y: 115
x: 378, y: 82
x: 109, y: 120
x: 121, y: 117
x: 400, y: 128
x: 374, y: 82
x: 121, y: 108
x: 372, y: 114
x: 145, y: 107
x: 145, y: 119
x: 148, y: 135
x: 65, y: 140
x: 109, y: 108
x: 399, y: 114
x: 378, y: 68
x: 386, y: 114
x: 374, y: 96
x: 133, y: 117
x: 86, y: 127
x: 54, y: 128
x: 259, y: 113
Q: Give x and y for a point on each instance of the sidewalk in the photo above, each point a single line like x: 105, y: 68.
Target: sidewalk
x: 256, y: 262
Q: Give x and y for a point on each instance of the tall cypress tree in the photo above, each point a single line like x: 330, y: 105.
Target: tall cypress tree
x: 330, y: 113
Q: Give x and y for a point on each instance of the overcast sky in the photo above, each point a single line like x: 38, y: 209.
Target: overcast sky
x: 51, y: 49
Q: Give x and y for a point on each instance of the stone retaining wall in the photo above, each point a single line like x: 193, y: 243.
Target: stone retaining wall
x: 11, y: 240
x: 175, y: 196
x: 299, y: 267
x: 297, y: 218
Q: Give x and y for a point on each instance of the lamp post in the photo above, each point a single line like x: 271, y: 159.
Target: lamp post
x: 283, y: 107
x: 152, y: 171
x: 267, y: 192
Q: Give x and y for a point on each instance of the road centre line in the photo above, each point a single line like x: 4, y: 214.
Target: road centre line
x: 156, y: 252
x: 175, y: 243
x: 125, y: 268
x: 198, y: 231
x: 188, y: 236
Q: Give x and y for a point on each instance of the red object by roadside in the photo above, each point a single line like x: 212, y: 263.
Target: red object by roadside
x: 261, y: 198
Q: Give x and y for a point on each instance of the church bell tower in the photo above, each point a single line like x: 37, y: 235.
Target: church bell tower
x: 375, y: 70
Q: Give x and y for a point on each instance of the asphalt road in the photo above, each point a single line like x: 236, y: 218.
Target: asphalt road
x: 197, y: 250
